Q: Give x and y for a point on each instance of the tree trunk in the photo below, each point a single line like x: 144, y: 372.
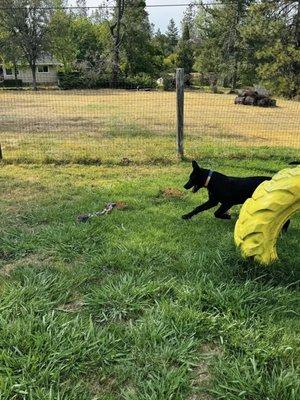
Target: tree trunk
x: 116, y: 33
x: 297, y: 29
x: 15, y: 70
x: 297, y: 63
x: 235, y: 71
x: 33, y: 71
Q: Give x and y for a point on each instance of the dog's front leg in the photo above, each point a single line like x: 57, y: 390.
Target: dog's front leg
x: 206, y: 206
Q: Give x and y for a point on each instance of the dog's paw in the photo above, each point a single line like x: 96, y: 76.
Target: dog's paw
x: 186, y: 216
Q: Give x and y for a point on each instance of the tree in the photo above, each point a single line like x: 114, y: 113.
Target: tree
x: 63, y: 45
x: 219, y: 36
x: 27, y: 23
x: 185, y: 52
x: 274, y: 27
x: 82, y: 10
x: 101, y: 14
x: 10, y: 52
x: 115, y: 29
x: 92, y: 46
x: 139, y: 53
x: 172, y: 37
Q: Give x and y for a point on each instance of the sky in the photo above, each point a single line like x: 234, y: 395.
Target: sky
x: 160, y: 17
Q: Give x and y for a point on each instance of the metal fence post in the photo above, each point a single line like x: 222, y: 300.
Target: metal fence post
x: 180, y: 110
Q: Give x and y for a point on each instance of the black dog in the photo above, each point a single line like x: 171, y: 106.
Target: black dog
x: 225, y: 190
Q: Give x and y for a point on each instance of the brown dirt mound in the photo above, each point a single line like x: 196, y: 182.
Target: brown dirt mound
x: 121, y: 205
x: 171, y: 193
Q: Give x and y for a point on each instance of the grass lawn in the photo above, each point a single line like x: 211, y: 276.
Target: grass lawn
x: 139, y: 304
x: 107, y: 125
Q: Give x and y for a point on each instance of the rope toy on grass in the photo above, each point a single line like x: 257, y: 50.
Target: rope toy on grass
x: 107, y: 210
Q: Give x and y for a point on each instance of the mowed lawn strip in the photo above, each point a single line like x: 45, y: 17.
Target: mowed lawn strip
x: 139, y: 304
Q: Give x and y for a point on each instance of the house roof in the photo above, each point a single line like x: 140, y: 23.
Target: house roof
x: 47, y: 59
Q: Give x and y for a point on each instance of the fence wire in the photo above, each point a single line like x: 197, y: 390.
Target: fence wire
x: 133, y: 126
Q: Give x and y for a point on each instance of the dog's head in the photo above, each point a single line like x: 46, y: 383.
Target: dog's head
x: 197, y: 178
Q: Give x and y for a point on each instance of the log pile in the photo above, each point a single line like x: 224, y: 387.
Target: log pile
x: 252, y: 97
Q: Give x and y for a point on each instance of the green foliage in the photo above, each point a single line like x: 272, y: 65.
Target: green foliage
x: 138, y: 54
x: 169, y: 82
x: 141, y: 81
x: 77, y: 80
x: 277, y: 49
x: 63, y: 45
x: 185, y: 51
x: 11, y: 83
x: 250, y: 42
x: 172, y: 37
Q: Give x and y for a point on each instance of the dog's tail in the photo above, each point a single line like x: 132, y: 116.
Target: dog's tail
x: 294, y: 163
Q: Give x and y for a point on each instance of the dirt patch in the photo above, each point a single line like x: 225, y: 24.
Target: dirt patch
x: 126, y: 161
x: 201, y: 374
x: 32, y: 260
x: 171, y: 193
x: 212, y: 350
x: 121, y: 205
x: 72, y: 306
x: 103, y: 387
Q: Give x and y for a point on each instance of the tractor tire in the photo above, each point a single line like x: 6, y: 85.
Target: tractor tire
x: 263, y: 216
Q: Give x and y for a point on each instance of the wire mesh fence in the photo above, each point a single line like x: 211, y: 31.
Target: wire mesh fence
x: 115, y: 125
x: 133, y: 122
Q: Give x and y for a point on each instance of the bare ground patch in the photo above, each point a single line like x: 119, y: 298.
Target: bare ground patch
x: 201, y: 374
x: 31, y: 260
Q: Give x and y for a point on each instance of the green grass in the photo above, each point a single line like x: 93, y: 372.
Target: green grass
x: 140, y: 304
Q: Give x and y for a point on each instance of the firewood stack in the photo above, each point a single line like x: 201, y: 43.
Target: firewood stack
x: 252, y: 97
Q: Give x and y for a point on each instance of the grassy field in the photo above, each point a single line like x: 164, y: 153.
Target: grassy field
x: 106, y: 126
x: 138, y: 304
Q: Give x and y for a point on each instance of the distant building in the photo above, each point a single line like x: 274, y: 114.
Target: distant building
x: 46, y: 71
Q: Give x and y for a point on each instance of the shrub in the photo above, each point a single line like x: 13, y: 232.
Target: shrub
x: 188, y: 80
x: 141, y: 81
x: 76, y: 80
x: 12, y: 83
x: 70, y: 80
x: 169, y: 82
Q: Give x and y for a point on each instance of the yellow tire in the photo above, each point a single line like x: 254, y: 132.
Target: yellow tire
x: 264, y: 214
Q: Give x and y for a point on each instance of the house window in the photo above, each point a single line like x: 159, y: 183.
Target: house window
x: 43, y: 68
x: 11, y: 72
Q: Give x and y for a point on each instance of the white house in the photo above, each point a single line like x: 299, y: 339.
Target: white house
x: 46, y: 71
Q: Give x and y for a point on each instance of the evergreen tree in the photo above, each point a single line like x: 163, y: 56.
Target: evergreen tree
x: 81, y: 8
x: 275, y: 28
x: 221, y: 49
x: 185, y: 52
x: 172, y: 37
x: 138, y: 52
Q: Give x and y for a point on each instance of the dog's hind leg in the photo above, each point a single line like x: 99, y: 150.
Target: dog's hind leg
x: 222, y: 212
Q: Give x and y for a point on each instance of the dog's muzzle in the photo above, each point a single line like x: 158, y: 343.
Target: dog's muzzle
x: 194, y: 188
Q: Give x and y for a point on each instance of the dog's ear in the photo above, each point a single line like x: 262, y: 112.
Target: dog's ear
x: 195, y: 164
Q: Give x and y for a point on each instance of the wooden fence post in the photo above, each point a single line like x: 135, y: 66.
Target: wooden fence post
x: 180, y: 110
